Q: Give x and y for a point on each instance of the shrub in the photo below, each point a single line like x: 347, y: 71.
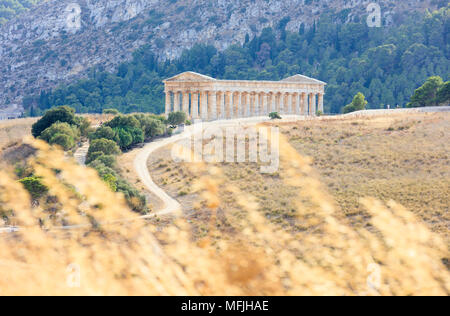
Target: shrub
x: 107, y: 160
x: 83, y: 125
x: 151, y: 125
x: 105, y: 132
x: 60, y: 128
x: 123, y: 138
x: 111, y: 111
x: 63, y: 114
x: 427, y: 95
x: 65, y: 141
x: 124, y: 121
x: 176, y: 118
x: 274, y: 116
x: 111, y: 181
x: 358, y: 104
x: 34, y: 186
x: 104, y: 146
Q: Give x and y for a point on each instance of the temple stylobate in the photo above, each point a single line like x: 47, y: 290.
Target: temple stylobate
x: 206, y: 98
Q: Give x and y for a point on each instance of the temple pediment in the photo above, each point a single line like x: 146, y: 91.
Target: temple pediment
x: 302, y: 79
x: 190, y: 76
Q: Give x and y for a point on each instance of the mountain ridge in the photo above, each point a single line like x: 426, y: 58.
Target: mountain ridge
x: 59, y: 41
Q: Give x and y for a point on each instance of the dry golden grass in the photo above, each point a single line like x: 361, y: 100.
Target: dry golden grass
x: 13, y: 131
x: 404, y: 158
x: 236, y: 251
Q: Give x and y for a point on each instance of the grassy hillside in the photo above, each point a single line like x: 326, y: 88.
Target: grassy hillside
x: 403, y: 157
x: 231, y: 242
x: 13, y: 131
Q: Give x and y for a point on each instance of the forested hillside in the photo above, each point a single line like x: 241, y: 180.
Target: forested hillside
x: 10, y: 8
x: 386, y: 64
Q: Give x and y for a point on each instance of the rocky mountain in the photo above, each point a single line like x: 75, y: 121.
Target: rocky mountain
x: 60, y: 40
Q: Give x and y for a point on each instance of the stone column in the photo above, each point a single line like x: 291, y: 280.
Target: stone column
x: 312, y: 105
x: 176, y: 103
x: 291, y: 106
x: 277, y: 98
x: 303, y: 108
x: 273, y: 104
x: 186, y: 103
x: 244, y: 104
x: 295, y: 104
x: 168, y: 103
x: 219, y: 105
x: 286, y: 103
x: 253, y: 104
x: 212, y: 105
x: 240, y: 111
x: 227, y: 105
x: 235, y: 104
x: 204, y: 105
x: 265, y: 103
x: 194, y: 105
x: 321, y: 102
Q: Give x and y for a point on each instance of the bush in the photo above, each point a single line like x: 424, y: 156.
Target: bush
x: 124, y: 121
x: 63, y: 114
x: 123, y: 138
x: 151, y: 125
x: 176, y: 118
x: 107, y: 160
x: 65, y: 141
x: 274, y: 116
x: 443, y: 94
x: 104, y: 146
x: 105, y: 132
x: 111, y: 111
x: 34, y: 186
x: 83, y: 125
x: 427, y: 94
x: 358, y: 104
x: 71, y: 131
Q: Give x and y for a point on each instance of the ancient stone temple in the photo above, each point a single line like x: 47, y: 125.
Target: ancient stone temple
x: 206, y: 98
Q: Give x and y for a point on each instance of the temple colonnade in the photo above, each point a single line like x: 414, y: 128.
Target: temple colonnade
x: 206, y: 98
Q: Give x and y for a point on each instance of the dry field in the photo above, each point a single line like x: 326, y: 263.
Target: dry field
x: 13, y: 131
x: 405, y: 158
x: 244, y: 233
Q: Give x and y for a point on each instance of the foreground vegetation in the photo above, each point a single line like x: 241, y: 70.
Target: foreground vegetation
x: 61, y: 127
x: 111, y: 254
x: 385, y: 64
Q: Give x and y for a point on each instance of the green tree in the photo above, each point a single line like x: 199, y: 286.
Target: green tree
x: 359, y: 103
x: 443, y: 94
x: 60, y: 128
x: 427, y: 93
x: 103, y: 132
x: 111, y: 111
x: 274, y: 116
x: 176, y: 118
x: 63, y: 114
x: 65, y: 141
x: 102, y: 146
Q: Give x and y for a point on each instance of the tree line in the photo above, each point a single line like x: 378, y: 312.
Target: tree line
x: 386, y: 64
